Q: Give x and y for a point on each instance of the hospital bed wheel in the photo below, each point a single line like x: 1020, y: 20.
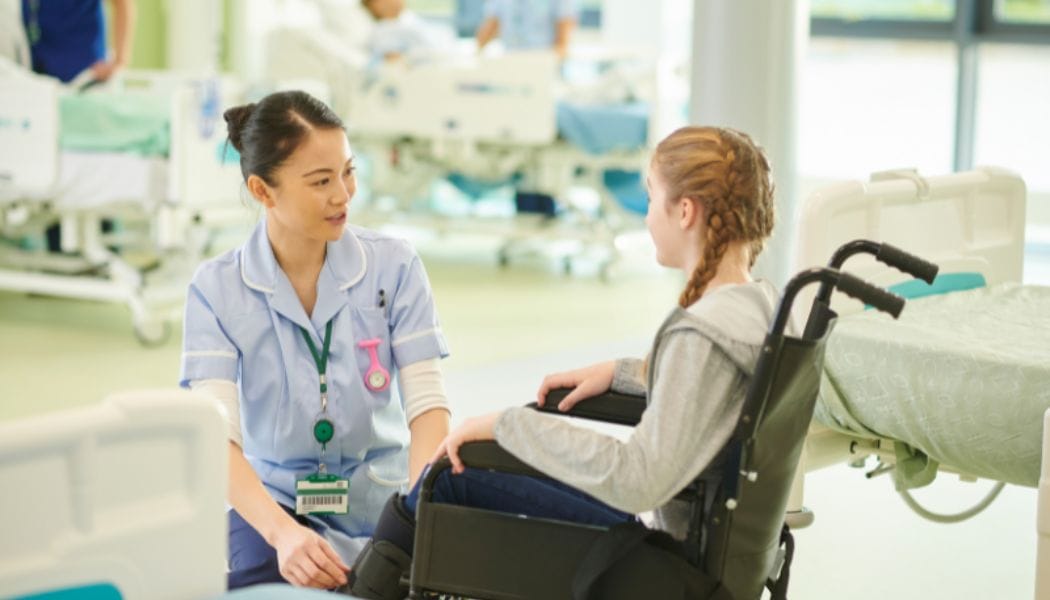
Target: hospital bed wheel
x: 152, y: 334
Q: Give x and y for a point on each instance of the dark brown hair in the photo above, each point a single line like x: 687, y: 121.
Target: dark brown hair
x: 265, y: 133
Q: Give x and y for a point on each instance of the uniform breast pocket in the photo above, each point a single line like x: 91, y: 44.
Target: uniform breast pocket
x: 372, y: 352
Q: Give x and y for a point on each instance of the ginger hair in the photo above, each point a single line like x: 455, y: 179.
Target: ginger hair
x: 728, y: 175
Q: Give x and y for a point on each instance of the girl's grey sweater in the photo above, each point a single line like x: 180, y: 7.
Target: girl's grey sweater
x: 702, y: 362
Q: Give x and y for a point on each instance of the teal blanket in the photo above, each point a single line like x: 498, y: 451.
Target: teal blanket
x: 129, y: 122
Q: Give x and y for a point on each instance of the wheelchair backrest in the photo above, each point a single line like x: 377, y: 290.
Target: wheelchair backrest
x: 741, y: 544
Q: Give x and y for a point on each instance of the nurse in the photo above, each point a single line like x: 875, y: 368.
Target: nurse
x: 529, y: 24
x: 305, y: 334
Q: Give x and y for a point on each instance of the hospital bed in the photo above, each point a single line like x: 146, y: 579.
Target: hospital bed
x: 123, y: 499
x: 485, y: 121
x: 146, y: 151
x: 959, y: 384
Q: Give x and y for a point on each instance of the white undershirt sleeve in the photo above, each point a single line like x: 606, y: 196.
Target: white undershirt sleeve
x: 225, y: 391
x: 423, y: 388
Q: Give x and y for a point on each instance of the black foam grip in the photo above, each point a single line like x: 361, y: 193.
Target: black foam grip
x: 869, y: 294
x: 908, y: 262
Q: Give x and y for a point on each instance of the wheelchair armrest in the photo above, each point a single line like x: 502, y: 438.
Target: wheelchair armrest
x: 487, y: 455
x: 610, y: 407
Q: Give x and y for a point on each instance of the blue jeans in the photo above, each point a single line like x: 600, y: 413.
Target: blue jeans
x: 518, y: 494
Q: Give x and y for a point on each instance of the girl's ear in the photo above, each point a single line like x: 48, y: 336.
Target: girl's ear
x: 690, y: 211
x: 259, y: 190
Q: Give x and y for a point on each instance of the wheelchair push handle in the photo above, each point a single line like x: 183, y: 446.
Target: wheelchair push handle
x: 877, y: 297
x: 907, y: 262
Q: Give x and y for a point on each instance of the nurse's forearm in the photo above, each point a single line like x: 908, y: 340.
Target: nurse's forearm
x: 251, y: 500
x: 487, y: 31
x: 562, y: 33
x: 428, y: 430
x: 124, y: 21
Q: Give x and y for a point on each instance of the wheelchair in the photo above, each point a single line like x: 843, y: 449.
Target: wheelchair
x: 737, y: 542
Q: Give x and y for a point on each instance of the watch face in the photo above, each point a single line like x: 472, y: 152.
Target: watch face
x: 377, y: 379
x: 323, y: 430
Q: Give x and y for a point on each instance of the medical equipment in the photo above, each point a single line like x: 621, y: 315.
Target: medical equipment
x: 123, y: 499
x: 967, y: 223
x: 487, y: 121
x: 146, y: 151
x: 735, y: 537
x: 958, y: 385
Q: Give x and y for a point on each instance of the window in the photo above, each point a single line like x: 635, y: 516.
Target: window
x: 872, y: 105
x: 1013, y: 125
x: 1023, y: 11
x: 894, y: 10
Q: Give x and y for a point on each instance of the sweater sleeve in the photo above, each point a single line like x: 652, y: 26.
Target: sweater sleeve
x: 697, y: 396
x: 629, y: 377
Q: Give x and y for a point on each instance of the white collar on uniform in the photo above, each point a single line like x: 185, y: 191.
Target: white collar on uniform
x: 345, y: 260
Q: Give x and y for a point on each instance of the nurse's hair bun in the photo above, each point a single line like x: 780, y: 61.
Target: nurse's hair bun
x: 236, y: 120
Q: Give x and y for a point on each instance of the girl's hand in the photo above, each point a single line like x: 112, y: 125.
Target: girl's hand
x: 588, y: 381
x: 475, y: 429
x: 306, y: 559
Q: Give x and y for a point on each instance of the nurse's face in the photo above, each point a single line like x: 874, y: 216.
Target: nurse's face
x: 314, y: 187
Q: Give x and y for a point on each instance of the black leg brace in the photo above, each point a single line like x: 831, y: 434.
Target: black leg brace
x: 377, y: 573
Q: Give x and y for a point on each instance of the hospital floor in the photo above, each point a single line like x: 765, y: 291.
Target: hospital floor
x: 509, y: 327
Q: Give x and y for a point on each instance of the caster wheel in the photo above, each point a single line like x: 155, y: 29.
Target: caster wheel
x: 153, y: 333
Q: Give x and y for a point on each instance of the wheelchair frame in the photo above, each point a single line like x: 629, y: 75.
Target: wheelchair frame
x: 526, y: 558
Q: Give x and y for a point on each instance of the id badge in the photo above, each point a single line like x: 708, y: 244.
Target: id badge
x: 319, y: 494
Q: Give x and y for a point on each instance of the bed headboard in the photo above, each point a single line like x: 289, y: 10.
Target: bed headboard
x: 967, y: 222
x: 28, y: 134
x: 121, y: 499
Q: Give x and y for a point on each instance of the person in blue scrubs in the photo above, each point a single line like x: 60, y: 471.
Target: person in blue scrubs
x: 529, y: 24
x: 322, y: 342
x: 68, y: 37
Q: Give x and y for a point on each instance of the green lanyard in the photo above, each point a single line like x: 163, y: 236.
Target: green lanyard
x: 324, y: 431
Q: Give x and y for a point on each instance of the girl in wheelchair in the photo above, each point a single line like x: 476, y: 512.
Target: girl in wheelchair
x: 711, y: 209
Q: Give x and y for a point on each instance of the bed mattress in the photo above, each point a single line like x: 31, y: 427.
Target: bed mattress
x: 963, y: 378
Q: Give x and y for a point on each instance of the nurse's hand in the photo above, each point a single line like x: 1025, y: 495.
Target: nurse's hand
x: 588, y: 381
x: 103, y: 70
x: 475, y: 429
x: 307, y: 560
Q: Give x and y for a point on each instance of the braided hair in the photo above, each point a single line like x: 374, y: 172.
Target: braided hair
x: 726, y: 172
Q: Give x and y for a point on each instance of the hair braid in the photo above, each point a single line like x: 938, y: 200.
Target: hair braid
x: 725, y: 172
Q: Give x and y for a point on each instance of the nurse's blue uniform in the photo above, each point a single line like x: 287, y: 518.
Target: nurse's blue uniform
x: 242, y: 324
x: 529, y: 24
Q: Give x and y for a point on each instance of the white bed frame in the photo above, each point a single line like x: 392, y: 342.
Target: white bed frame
x: 482, y: 116
x: 189, y: 190
x: 972, y: 221
x: 127, y: 495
